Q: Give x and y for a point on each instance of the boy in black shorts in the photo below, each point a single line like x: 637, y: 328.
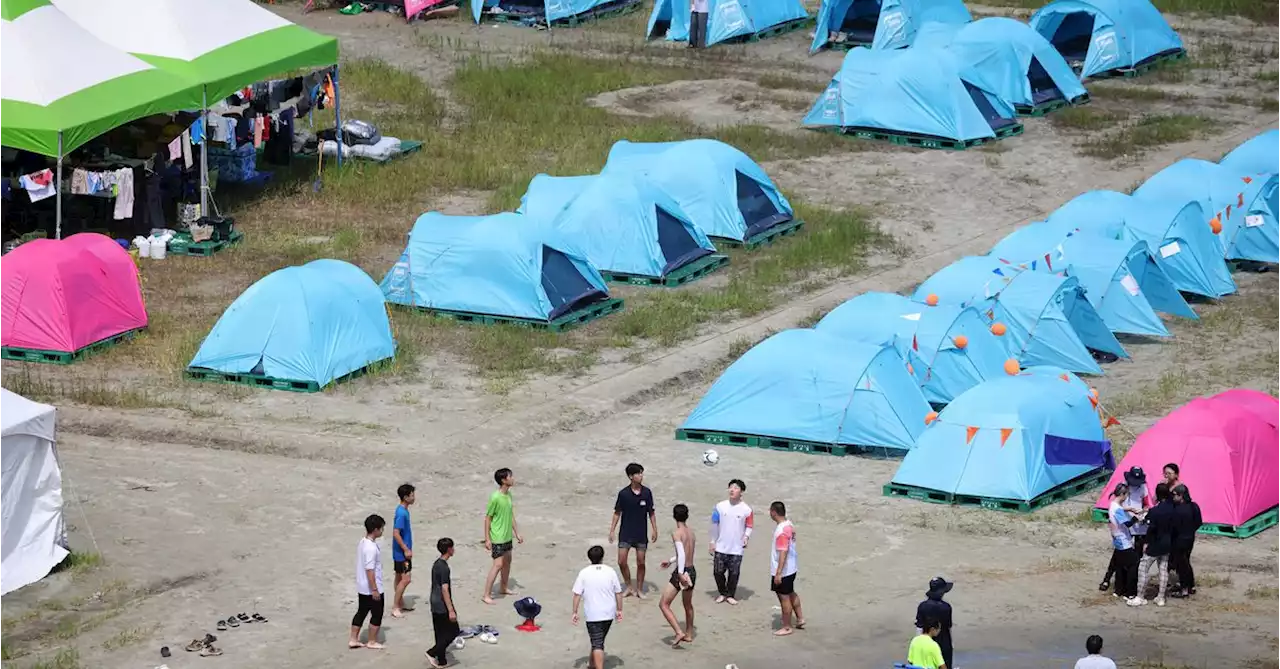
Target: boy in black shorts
x: 633, y: 507
x: 682, y: 579
x: 784, y: 569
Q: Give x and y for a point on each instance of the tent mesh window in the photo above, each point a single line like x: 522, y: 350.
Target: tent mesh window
x: 1042, y: 87
x: 758, y: 211
x: 565, y: 286
x: 531, y: 8
x: 1073, y: 37
x: 993, y: 117
x: 678, y: 246
x: 859, y: 22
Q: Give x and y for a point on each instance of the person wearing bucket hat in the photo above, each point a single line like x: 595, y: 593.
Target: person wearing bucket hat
x: 1139, y: 502
x: 934, y: 608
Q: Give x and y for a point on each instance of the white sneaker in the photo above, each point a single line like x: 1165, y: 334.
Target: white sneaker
x: 1137, y: 601
x: 1159, y: 601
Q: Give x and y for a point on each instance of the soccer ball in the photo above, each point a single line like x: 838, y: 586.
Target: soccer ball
x: 710, y: 458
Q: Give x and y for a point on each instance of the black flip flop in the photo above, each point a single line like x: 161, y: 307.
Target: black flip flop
x: 222, y: 625
x: 209, y: 639
x: 164, y: 651
x: 233, y: 622
x: 257, y: 617
x: 244, y: 618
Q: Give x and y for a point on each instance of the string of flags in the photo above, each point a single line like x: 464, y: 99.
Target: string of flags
x: 972, y: 431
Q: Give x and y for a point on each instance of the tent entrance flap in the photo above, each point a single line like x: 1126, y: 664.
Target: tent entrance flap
x: 860, y: 21
x: 1073, y: 37
x: 564, y: 285
x: 993, y: 117
x: 522, y: 7
x: 678, y: 246
x: 1043, y: 88
x: 758, y: 211
x: 1068, y: 451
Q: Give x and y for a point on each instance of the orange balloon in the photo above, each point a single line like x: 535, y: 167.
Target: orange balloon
x: 930, y: 417
x: 1215, y: 225
x: 961, y: 341
x: 931, y: 300
x: 1011, y: 367
x: 998, y: 329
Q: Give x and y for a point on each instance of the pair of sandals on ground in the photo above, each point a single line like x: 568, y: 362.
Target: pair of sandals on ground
x: 205, y: 646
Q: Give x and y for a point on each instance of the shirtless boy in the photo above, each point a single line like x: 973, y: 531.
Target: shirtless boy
x: 682, y: 579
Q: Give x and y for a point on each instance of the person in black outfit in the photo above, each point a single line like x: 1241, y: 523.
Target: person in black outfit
x: 1187, y: 521
x: 444, y: 618
x: 933, y: 608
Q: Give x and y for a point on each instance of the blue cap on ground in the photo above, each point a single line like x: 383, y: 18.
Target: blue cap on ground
x: 528, y: 608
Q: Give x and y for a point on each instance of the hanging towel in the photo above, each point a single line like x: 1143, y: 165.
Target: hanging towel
x: 175, y: 148
x: 39, y: 185
x: 80, y: 182
x: 124, y: 194
x: 186, y: 148
x: 197, y: 131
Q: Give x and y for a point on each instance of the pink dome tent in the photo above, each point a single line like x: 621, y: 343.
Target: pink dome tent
x: 1228, y: 449
x: 62, y: 297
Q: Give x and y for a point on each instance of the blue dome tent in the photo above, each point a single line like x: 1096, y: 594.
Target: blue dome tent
x: 1244, y: 206
x: 882, y: 24
x: 949, y: 349
x: 500, y: 268
x: 1102, y: 37
x: 1183, y: 245
x: 1048, y: 319
x: 911, y: 96
x: 631, y: 230
x: 1012, y: 61
x: 806, y: 390
x: 1015, y: 443
x: 729, y: 20
x: 298, y: 328
x: 543, y: 12
x: 1256, y: 156
x: 1121, y: 278
x: 722, y: 190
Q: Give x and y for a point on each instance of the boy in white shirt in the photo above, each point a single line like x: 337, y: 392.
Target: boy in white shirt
x: 598, y: 587
x: 731, y: 525
x: 1094, y: 660
x: 783, y: 567
x: 368, y: 584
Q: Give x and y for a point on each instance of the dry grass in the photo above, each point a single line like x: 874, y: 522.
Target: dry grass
x: 1147, y: 133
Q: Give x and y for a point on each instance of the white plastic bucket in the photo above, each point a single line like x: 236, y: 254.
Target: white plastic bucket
x: 144, y: 247
x: 159, y: 247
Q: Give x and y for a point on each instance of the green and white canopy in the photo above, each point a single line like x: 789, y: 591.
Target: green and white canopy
x: 58, y: 79
x: 224, y: 45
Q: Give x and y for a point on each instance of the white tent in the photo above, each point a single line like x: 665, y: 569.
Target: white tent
x: 32, y: 533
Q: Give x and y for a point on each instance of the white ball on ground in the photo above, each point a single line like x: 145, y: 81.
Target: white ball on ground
x: 710, y: 457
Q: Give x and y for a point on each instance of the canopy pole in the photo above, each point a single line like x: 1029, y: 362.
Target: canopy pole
x: 204, y: 151
x: 57, y: 183
x: 337, y: 112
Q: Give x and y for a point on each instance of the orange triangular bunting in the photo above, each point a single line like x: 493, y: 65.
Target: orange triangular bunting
x: 970, y: 431
x: 1004, y: 435
x: 1064, y: 377
x: 1247, y: 180
x: 914, y: 345
x: 1111, y: 420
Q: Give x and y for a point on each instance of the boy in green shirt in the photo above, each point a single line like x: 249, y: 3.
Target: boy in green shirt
x: 499, y: 529
x: 924, y: 652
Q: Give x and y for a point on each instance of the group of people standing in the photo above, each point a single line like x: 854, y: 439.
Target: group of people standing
x: 1149, y: 534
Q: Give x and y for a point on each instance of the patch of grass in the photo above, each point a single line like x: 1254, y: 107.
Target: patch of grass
x: 1271, y: 76
x: 781, y: 82
x: 1262, y: 592
x: 1134, y: 93
x: 78, y: 563
x: 91, y: 391
x: 1213, y: 580
x: 1086, y: 118
x: 1147, y: 133
x: 66, y: 658
x: 126, y: 637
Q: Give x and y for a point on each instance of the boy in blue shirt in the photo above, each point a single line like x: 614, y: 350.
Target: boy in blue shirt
x: 402, y: 548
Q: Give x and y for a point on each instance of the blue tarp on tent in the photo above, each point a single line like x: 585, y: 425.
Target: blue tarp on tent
x: 536, y: 10
x: 500, y: 265
x: 1120, y: 277
x: 620, y: 221
x: 1013, y: 438
x: 727, y: 20
x: 1174, y: 229
x: 1007, y: 58
x: 909, y: 91
x: 317, y: 322
x: 1049, y: 320
x: 928, y: 338
x: 1260, y: 155
x: 1245, y: 206
x: 1097, y: 36
x: 808, y: 385
x: 883, y: 24
x: 722, y: 190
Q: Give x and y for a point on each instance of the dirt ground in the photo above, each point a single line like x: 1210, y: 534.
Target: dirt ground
x: 256, y: 503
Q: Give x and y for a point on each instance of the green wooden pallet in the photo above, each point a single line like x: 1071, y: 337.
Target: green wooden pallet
x: 180, y: 246
x: 681, y: 276
x: 928, y: 141
x: 1144, y: 67
x: 774, y: 31
x: 1076, y: 486
x: 757, y: 441
x: 847, y: 45
x: 568, y: 321
x: 1251, y: 527
x: 1044, y: 108
x: 267, y: 382
x: 65, y: 357
x: 763, y: 238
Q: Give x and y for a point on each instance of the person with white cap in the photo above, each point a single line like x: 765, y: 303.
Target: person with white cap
x: 933, y: 608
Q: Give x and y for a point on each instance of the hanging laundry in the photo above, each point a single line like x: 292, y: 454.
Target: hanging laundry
x: 186, y: 148
x: 229, y: 125
x: 79, y: 182
x: 197, y: 131
x: 257, y: 133
x: 124, y: 194
x: 39, y: 185
x: 175, y: 148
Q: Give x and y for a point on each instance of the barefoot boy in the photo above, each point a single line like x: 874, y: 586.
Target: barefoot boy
x: 633, y: 508
x: 499, y: 530
x: 402, y: 548
x: 682, y: 579
x: 784, y: 569
x: 368, y: 584
x: 731, y: 525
